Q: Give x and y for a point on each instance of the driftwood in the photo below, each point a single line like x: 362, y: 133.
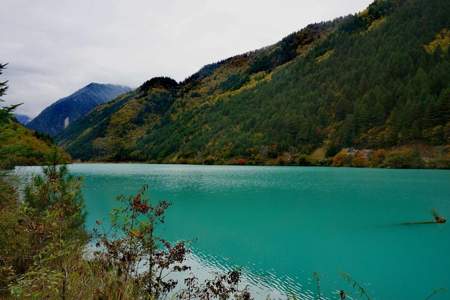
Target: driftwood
x: 420, y: 223
x: 437, y: 220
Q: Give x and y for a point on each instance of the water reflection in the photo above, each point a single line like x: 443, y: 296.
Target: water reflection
x: 263, y: 285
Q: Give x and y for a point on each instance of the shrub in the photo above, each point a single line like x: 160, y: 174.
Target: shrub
x: 403, y: 159
x: 359, y: 160
x: 43, y: 236
x: 377, y: 158
x: 342, y: 159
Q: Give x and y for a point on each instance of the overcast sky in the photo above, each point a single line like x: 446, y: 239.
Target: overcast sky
x: 55, y: 47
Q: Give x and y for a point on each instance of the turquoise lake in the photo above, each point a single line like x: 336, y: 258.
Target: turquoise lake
x: 282, y: 224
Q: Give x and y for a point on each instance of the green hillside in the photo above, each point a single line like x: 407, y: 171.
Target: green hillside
x: 20, y: 145
x: 371, y: 89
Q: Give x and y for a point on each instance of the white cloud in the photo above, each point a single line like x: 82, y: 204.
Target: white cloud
x: 55, y: 47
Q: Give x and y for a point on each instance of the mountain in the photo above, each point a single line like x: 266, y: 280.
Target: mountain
x: 369, y: 89
x: 21, y: 146
x: 60, y: 114
x: 22, y: 119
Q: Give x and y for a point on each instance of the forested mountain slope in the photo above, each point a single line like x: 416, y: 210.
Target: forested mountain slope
x: 60, y: 114
x: 20, y: 146
x: 331, y: 93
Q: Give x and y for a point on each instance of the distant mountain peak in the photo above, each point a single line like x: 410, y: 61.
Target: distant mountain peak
x: 22, y: 119
x: 99, y: 84
x: 95, y: 84
x: 57, y: 116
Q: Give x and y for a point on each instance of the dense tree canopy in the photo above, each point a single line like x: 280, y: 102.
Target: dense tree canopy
x: 373, y: 80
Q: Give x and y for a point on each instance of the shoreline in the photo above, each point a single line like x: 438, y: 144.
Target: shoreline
x: 228, y: 165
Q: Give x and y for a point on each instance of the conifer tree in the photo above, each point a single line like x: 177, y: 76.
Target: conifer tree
x: 5, y: 111
x: 3, y: 84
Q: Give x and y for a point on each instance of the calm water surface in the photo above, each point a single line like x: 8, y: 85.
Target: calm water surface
x: 281, y: 224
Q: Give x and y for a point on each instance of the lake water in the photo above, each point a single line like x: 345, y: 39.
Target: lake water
x: 282, y: 224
